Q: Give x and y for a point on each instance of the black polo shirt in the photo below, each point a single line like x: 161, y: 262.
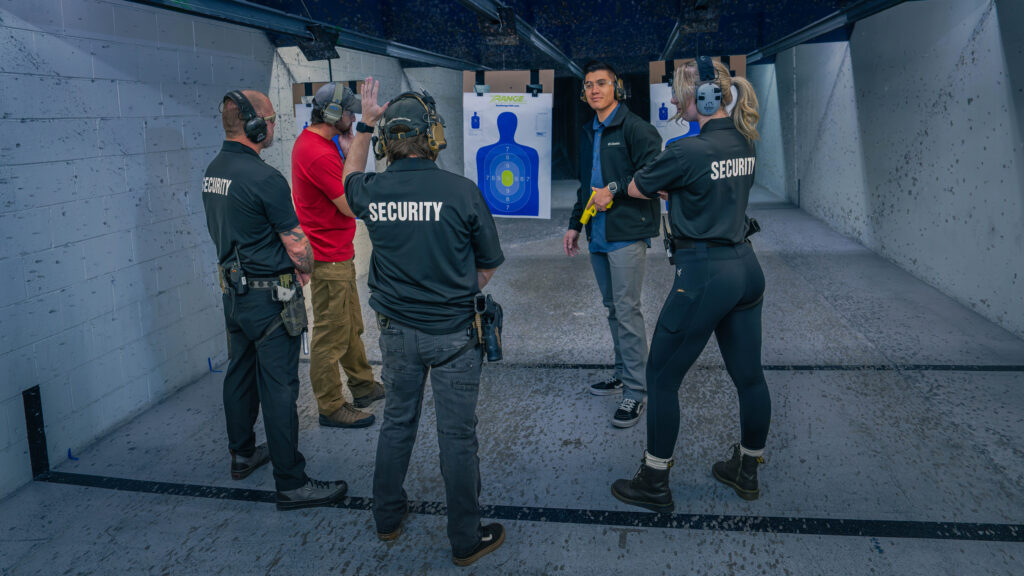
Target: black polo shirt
x: 248, y: 203
x: 431, y: 230
x: 708, y: 178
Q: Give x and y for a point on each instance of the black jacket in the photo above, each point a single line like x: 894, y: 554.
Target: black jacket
x: 627, y: 144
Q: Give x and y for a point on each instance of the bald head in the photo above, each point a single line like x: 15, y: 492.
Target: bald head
x: 231, y: 116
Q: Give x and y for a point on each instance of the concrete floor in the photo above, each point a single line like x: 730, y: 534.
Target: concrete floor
x: 895, y: 444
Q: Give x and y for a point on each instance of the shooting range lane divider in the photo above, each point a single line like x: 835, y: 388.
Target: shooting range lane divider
x: 978, y: 532
x: 780, y: 367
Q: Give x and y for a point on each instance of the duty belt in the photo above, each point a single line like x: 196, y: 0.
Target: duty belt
x: 269, y: 282
x: 687, y: 243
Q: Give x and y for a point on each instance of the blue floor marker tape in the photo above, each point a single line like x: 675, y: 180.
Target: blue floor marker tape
x: 70, y: 457
x: 209, y: 361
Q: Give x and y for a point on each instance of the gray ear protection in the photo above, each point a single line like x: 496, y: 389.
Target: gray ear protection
x: 255, y: 126
x: 708, y: 94
x: 332, y: 111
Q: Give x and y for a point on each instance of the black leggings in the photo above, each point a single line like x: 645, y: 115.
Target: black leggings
x: 717, y: 289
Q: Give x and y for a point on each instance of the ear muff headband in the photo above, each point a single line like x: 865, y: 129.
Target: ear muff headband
x: 435, y: 129
x: 255, y: 126
x: 620, y: 91
x: 708, y: 93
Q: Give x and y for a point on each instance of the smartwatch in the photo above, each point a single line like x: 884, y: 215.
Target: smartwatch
x: 364, y: 128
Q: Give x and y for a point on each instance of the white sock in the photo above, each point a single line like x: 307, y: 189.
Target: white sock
x: 656, y: 463
x: 749, y: 452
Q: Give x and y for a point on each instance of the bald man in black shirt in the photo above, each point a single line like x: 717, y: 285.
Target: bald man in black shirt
x: 259, y: 244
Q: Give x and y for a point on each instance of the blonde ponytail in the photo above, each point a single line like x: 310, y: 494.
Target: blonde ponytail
x: 745, y: 114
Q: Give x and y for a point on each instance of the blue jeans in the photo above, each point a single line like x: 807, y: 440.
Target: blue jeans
x: 409, y: 355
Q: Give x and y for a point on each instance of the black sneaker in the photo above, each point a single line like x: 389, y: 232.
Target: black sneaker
x: 312, y: 493
x: 628, y: 413
x: 491, y: 538
x: 242, y: 466
x: 606, y: 388
x: 376, y: 394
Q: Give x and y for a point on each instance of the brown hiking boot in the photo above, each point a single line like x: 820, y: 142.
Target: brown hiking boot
x: 242, y: 466
x: 377, y: 393
x: 347, y: 417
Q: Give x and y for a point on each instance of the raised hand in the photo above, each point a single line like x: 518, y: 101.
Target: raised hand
x: 372, y: 111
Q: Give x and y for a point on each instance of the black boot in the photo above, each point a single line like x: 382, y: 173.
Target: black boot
x: 648, y: 489
x: 740, y: 472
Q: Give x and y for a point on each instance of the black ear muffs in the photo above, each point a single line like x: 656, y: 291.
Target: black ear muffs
x: 620, y: 91
x: 708, y: 93
x: 255, y: 126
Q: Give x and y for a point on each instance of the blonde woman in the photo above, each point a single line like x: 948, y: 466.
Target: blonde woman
x: 718, y: 285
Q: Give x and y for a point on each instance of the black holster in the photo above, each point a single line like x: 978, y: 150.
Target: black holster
x: 488, y: 323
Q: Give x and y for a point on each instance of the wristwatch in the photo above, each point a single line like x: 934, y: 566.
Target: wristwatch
x: 364, y: 128
x: 613, y: 188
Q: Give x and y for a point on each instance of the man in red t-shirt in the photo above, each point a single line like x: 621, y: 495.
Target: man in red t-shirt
x: 319, y: 194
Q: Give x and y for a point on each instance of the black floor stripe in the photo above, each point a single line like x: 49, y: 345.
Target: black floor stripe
x: 766, y: 524
x: 785, y: 367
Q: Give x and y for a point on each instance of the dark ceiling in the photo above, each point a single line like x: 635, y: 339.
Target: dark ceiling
x: 626, y: 33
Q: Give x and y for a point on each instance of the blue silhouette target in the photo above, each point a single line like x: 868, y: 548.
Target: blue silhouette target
x: 507, y: 172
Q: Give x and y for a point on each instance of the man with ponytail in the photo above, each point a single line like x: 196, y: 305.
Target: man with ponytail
x: 718, y: 286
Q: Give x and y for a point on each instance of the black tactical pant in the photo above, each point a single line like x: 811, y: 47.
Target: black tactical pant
x: 717, y: 289
x: 267, y: 375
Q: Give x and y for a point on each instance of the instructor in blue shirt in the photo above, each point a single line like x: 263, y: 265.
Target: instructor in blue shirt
x: 613, y: 147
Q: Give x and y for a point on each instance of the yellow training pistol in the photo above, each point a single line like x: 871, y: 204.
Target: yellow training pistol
x: 590, y: 211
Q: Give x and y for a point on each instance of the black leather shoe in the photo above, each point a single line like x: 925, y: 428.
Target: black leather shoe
x: 648, y: 489
x: 242, y: 466
x: 491, y: 538
x: 312, y: 493
x: 739, y: 473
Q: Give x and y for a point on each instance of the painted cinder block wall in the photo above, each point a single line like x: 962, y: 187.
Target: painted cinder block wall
x: 909, y: 139
x: 108, y: 111
x: 109, y: 115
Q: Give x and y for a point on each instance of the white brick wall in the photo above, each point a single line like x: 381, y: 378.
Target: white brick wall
x: 109, y: 302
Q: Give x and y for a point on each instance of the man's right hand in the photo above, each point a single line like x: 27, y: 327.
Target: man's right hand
x: 368, y: 96
x: 571, y: 242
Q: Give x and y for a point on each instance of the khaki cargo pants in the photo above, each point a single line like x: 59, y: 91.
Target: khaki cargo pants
x: 337, y: 331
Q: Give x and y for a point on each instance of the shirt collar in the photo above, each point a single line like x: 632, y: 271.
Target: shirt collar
x: 718, y: 124
x: 408, y: 164
x: 607, y: 121
x: 232, y: 146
